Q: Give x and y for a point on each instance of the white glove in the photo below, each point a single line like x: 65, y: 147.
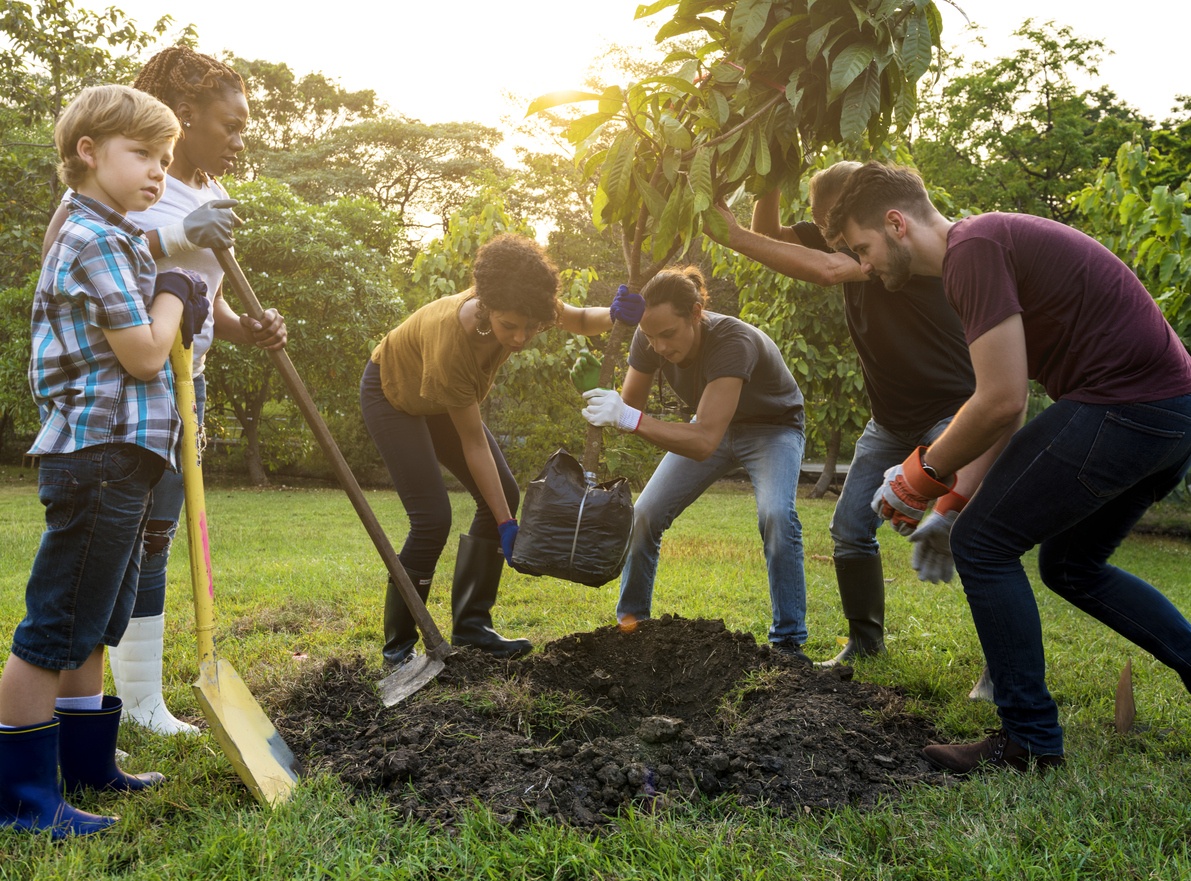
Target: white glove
x: 208, y: 226
x: 606, y: 409
x: 931, y: 557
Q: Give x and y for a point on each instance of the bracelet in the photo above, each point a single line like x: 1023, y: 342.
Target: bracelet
x: 173, y: 240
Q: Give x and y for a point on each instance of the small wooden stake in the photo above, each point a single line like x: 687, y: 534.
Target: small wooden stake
x: 1126, y: 710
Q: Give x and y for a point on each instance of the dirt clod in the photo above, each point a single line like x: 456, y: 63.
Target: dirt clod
x: 593, y: 721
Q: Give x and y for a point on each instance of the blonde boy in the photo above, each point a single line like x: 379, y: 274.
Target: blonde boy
x: 101, y: 338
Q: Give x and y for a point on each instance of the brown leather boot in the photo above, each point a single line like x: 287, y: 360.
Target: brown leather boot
x: 996, y: 752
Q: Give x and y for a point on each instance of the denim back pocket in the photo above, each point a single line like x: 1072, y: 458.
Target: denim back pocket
x: 1124, y: 452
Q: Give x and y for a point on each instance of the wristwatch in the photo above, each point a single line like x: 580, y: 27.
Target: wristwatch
x: 930, y: 472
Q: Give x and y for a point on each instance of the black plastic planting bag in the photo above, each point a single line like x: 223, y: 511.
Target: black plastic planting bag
x: 571, y: 529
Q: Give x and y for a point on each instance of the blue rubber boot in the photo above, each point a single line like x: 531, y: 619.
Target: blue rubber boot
x: 30, y: 792
x: 87, y: 750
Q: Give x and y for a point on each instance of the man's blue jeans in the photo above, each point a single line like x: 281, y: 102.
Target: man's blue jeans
x: 854, y: 522
x: 772, y: 456
x: 1073, y: 481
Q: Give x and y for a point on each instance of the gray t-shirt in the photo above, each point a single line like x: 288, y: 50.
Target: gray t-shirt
x: 730, y: 347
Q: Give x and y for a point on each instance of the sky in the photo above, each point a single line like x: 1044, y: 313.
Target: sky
x: 457, y: 60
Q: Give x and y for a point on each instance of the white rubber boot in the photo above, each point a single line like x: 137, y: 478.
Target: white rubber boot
x: 136, y: 670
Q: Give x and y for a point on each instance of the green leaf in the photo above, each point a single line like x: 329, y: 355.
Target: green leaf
x: 583, y: 127
x: 848, y: 65
x: 653, y: 8
x: 742, y: 161
x: 556, y: 99
x: 667, y: 228
x: 916, y: 47
x: 747, y: 22
x: 675, y: 83
x: 763, y: 160
x: 715, y: 224
x: 717, y: 104
x: 612, y: 100
x: 674, y: 134
x: 700, y: 176
x: 599, y: 204
x: 617, y: 173
x: 861, y: 102
x: 655, y: 202
x: 774, y: 38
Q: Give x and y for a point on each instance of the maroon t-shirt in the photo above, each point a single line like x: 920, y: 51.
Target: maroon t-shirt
x: 1093, y: 332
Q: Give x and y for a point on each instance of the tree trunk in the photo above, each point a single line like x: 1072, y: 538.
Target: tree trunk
x: 253, y: 459
x: 613, y: 349
x: 828, y: 475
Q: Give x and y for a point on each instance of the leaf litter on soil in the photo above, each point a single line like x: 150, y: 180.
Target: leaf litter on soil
x: 677, y: 709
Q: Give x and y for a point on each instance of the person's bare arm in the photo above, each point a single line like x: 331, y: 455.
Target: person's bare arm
x: 478, y: 455
x: 271, y: 333
x: 985, y: 423
x: 790, y: 258
x: 585, y: 320
x: 142, y: 350
x: 699, y: 439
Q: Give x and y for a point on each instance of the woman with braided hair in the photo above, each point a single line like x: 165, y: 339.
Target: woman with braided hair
x: 193, y: 217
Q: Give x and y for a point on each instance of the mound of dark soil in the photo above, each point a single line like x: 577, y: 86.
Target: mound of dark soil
x: 594, y: 721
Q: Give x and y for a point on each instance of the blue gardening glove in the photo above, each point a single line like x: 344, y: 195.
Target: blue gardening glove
x: 627, y: 307
x: 931, y: 556
x: 906, y: 492
x: 208, y: 226
x: 508, y: 537
x: 606, y: 410
x: 189, y: 287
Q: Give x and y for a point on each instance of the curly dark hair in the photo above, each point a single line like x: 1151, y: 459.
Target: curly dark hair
x: 513, y: 274
x: 180, y: 74
x: 682, y: 287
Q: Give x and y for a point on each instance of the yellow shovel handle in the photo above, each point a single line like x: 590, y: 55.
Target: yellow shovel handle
x: 201, y: 579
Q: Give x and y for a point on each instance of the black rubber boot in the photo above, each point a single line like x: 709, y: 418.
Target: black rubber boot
x: 401, y: 631
x: 473, y: 594
x: 87, y: 750
x: 30, y: 791
x: 862, y: 596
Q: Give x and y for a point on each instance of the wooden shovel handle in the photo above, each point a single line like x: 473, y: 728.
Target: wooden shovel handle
x: 436, y: 647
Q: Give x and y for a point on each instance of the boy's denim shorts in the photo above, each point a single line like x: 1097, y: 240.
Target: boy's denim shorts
x: 83, y: 583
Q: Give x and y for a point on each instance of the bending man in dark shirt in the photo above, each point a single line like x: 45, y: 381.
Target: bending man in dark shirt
x: 1038, y: 300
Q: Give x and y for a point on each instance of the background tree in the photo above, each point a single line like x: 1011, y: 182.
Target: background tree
x: 325, y: 268
x: 49, y: 51
x: 1016, y: 134
x: 768, y: 85
x: 1146, y: 224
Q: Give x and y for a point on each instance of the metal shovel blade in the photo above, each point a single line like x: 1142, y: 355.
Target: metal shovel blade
x: 252, y: 745
x: 408, y: 678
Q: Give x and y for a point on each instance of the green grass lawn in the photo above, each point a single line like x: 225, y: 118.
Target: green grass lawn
x: 298, y: 581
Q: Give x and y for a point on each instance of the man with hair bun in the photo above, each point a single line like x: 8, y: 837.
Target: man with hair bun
x: 748, y: 414
x: 1038, y: 300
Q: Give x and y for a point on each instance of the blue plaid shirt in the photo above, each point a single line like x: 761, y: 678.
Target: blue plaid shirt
x: 98, y: 275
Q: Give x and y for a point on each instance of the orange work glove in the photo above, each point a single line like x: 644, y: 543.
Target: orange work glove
x: 907, y: 492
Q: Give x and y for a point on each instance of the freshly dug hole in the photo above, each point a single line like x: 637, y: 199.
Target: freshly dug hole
x: 677, y: 709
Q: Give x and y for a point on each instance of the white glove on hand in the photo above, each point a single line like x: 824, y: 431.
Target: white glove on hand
x: 606, y: 409
x: 208, y: 226
x: 931, y: 556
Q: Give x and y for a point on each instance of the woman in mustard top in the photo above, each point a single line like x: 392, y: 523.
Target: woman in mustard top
x: 421, y: 394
